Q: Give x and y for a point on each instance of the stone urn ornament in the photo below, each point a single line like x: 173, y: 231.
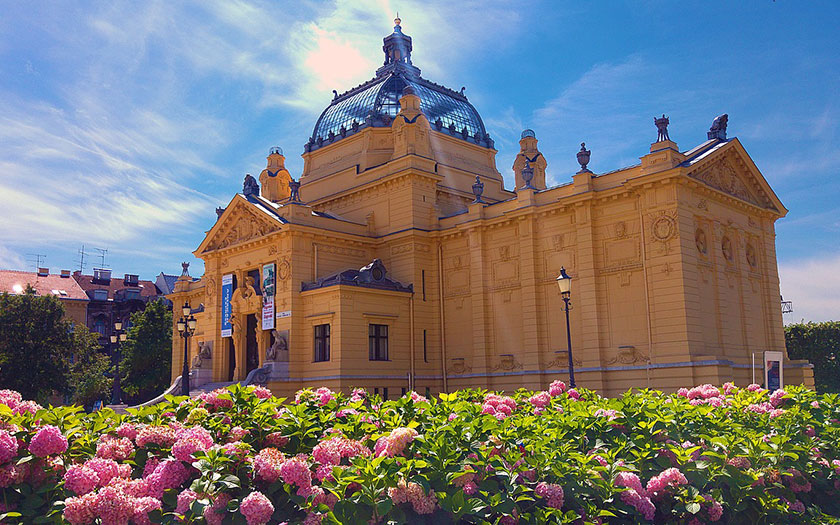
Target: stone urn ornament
x: 478, y: 189
x: 583, y: 158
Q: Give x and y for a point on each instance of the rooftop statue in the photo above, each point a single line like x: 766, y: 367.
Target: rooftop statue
x: 718, y: 129
x: 661, y: 128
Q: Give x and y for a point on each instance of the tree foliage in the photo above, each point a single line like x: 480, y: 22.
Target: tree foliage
x: 91, y: 373
x: 147, y: 353
x: 819, y: 343
x: 36, y: 342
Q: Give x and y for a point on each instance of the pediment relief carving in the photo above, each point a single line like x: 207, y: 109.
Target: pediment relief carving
x: 725, y: 175
x: 242, y: 225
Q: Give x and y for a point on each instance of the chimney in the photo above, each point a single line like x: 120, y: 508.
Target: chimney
x: 65, y: 274
x: 43, y: 272
x: 131, y: 279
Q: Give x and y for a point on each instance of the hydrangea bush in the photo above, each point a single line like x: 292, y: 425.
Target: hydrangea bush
x: 242, y: 456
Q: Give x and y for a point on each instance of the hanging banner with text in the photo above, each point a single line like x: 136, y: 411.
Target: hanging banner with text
x: 227, y: 295
x: 268, y: 296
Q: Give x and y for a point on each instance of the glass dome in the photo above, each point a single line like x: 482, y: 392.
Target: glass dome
x: 376, y: 102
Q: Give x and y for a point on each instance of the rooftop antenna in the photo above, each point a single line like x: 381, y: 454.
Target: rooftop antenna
x: 82, y: 255
x: 102, y: 253
x: 37, y: 258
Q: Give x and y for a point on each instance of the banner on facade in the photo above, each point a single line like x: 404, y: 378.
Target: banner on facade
x: 268, y: 275
x: 268, y: 279
x: 773, y: 379
x: 268, y: 312
x: 227, y: 295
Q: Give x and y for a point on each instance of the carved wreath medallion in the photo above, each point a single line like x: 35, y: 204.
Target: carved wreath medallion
x: 663, y: 228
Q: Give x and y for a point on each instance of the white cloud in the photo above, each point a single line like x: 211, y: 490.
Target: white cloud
x: 814, y: 287
x: 10, y: 260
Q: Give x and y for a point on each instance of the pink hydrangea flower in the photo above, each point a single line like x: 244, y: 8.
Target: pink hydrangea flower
x: 10, y: 398
x: 28, y: 407
x: 552, y: 492
x: 80, y: 510
x: 797, y: 481
x: 185, y: 499
x: 215, y: 513
x: 358, y: 394
x: 556, y: 388
x: 815, y: 404
x: 573, y: 394
x: 163, y: 436
x: 777, y: 397
x: 540, y: 399
x: 8, y: 446
x: 48, y: 441
x: 295, y: 471
x: 394, y: 443
x: 262, y: 392
x: 168, y: 474
x: 256, y: 508
x: 213, y: 400
x: 754, y: 387
x: 729, y: 388
x: 739, y: 462
x: 108, y: 469
x: 331, y: 451
x: 81, y: 479
x: 276, y: 439
x: 267, y: 464
x: 713, y: 509
x: 190, y: 440
x: 116, y: 448
x: 414, y: 494
x: 417, y: 398
x: 797, y: 506
x: 127, y: 430
x: 667, y: 478
x: 640, y: 502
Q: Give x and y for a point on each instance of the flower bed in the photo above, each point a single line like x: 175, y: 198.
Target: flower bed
x: 729, y: 455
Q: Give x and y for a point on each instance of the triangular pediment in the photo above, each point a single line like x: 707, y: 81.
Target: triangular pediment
x: 729, y: 169
x: 242, y: 221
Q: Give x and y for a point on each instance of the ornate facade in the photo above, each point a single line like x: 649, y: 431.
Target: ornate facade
x: 401, y: 261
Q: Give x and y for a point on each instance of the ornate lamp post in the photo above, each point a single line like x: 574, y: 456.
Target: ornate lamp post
x: 564, y: 282
x: 186, y: 327
x: 117, y: 337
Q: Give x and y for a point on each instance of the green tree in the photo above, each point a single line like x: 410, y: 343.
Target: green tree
x: 36, y: 343
x: 819, y: 343
x: 91, y: 373
x: 147, y: 353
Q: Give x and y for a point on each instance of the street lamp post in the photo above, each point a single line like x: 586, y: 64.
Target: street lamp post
x: 186, y: 327
x: 564, y: 282
x: 117, y: 337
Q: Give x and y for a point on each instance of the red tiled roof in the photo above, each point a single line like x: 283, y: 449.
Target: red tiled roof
x: 11, y: 281
x: 147, y: 288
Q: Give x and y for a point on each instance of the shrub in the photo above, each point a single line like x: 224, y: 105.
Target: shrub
x: 706, y: 454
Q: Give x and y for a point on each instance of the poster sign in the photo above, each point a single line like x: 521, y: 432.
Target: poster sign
x: 283, y: 314
x: 268, y: 285
x: 269, y: 279
x: 227, y: 295
x: 773, y: 379
x: 268, y: 312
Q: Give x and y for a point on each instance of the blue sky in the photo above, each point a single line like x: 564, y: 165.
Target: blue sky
x: 124, y: 124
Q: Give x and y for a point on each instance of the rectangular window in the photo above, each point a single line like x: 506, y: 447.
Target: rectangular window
x: 385, y: 394
x: 428, y: 392
x: 403, y: 391
x: 425, y: 355
x: 322, y: 342
x: 378, y: 342
x: 255, y: 275
x: 376, y: 391
x: 423, y: 279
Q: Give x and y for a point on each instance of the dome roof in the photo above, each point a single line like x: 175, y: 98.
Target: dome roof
x: 376, y: 102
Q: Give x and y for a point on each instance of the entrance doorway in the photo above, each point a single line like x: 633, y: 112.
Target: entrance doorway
x: 252, y: 359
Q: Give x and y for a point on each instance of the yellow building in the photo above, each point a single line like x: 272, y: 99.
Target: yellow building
x: 399, y: 260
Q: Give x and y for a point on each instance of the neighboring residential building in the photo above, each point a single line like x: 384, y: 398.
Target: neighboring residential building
x: 400, y: 259
x: 113, y: 299
x: 62, y: 286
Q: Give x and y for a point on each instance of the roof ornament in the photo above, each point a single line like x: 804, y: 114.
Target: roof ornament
x: 294, y: 188
x: 335, y: 94
x: 528, y: 175
x: 662, y: 128
x: 185, y: 269
x: 397, y: 20
x: 718, y: 129
x: 463, y: 89
x: 219, y: 212
x: 583, y: 158
x: 478, y: 189
x: 250, y: 187
x: 527, y: 133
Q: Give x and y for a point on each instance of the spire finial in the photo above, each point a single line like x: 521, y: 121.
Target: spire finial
x: 397, y: 20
